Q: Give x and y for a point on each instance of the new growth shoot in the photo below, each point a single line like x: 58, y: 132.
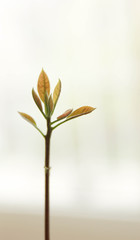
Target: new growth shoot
x: 49, y: 101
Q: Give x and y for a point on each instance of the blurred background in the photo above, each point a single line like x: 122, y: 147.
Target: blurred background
x: 93, y: 47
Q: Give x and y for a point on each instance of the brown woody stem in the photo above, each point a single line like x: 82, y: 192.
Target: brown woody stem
x: 47, y: 173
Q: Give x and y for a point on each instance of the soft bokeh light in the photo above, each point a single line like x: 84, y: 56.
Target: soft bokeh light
x: 93, y: 47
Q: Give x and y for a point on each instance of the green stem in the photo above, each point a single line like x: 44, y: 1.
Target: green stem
x: 56, y: 121
x: 60, y: 123
x: 39, y: 130
x: 43, y: 114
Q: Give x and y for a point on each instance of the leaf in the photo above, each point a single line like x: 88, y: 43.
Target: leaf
x: 56, y: 92
x: 65, y: 114
x: 28, y: 118
x: 81, y: 111
x: 43, y: 85
x: 50, y: 103
x: 37, y: 100
x: 46, y: 103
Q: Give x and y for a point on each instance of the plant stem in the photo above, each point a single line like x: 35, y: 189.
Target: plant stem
x: 56, y: 121
x: 47, y: 169
x: 61, y: 123
x: 39, y: 131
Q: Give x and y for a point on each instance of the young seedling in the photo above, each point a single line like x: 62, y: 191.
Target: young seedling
x: 50, y: 101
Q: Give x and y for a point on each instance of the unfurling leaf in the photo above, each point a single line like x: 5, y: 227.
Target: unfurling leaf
x: 43, y: 85
x: 28, y: 118
x: 81, y: 111
x: 46, y: 103
x: 65, y: 114
x: 37, y: 100
x: 46, y: 97
x: 50, y: 103
x: 56, y: 92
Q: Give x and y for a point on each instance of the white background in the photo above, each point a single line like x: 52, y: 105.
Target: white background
x: 93, y: 47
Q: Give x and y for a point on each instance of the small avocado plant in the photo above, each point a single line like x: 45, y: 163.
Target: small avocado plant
x: 50, y: 101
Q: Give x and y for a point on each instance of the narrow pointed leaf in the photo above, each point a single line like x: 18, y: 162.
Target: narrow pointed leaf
x: 46, y: 103
x: 50, y: 103
x: 46, y: 97
x: 28, y: 118
x: 56, y: 92
x: 65, y: 114
x: 81, y: 111
x: 37, y: 100
x: 43, y: 85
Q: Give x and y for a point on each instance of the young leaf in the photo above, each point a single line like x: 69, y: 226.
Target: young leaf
x: 56, y: 92
x: 81, y: 111
x: 37, y: 100
x: 50, y: 103
x: 65, y: 114
x: 28, y: 118
x: 43, y: 85
x: 46, y: 103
